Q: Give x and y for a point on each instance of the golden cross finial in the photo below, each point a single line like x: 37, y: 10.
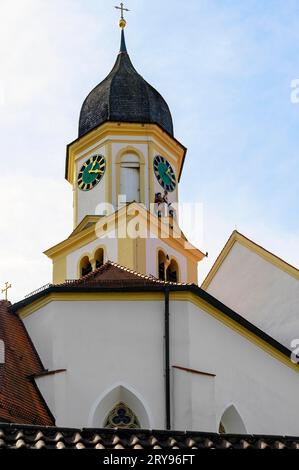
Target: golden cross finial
x: 122, y: 22
x: 5, y: 290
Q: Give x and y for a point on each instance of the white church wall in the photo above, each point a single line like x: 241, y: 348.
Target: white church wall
x: 48, y: 386
x: 193, y: 401
x: 260, y: 292
x: 42, y: 330
x: 101, y: 344
x: 264, y: 391
x: 105, y: 345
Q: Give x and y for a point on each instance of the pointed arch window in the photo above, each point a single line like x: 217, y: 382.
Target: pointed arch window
x: 130, y: 177
x: 85, y: 266
x: 122, y: 417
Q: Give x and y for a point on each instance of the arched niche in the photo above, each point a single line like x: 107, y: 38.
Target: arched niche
x: 130, y: 177
x: 99, y: 258
x: 130, y: 174
x: 111, y: 400
x: 231, y: 422
x: 85, y: 266
x: 172, y: 273
x: 161, y: 265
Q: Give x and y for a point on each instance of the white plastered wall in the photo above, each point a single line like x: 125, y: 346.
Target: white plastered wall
x: 259, y: 291
x: 105, y: 344
x: 262, y: 389
x: 102, y: 345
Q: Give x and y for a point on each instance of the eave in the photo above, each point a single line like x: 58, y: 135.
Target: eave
x: 123, y: 128
x: 190, y: 293
x: 237, y: 237
x: 173, y: 237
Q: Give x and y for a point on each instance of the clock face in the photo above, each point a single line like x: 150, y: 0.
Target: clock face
x: 91, y: 172
x: 164, y: 174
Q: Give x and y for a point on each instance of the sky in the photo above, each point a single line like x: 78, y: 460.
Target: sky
x: 226, y: 69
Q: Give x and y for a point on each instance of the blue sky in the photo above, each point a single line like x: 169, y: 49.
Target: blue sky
x: 225, y: 68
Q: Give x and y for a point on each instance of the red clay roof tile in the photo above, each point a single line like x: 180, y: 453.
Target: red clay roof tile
x: 20, y: 399
x: 115, y: 275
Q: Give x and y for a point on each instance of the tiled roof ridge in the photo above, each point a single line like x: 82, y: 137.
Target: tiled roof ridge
x: 41, y: 437
x: 109, y: 264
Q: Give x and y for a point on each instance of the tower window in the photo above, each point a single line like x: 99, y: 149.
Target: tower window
x: 172, y: 274
x: 161, y: 265
x: 168, y: 269
x: 130, y: 178
x: 122, y: 417
x: 99, y: 258
x: 85, y: 266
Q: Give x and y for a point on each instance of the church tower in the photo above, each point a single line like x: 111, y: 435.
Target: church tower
x: 119, y: 351
x: 124, y: 169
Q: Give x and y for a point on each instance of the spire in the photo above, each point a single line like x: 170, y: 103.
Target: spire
x: 140, y: 102
x: 122, y: 25
x: 123, y: 47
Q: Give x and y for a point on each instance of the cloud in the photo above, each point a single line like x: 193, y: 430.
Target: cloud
x: 35, y: 214
x: 225, y: 71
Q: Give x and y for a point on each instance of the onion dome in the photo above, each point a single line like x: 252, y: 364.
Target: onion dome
x: 124, y: 96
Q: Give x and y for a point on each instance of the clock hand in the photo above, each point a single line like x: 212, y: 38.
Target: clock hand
x: 93, y: 171
x: 167, y: 173
x: 92, y: 168
x: 98, y: 172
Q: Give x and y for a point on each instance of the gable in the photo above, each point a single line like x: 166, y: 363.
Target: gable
x: 258, y: 285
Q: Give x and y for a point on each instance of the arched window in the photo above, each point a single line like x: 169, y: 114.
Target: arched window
x: 172, y: 274
x: 119, y: 402
x: 99, y: 258
x: 130, y: 177
x: 122, y: 417
x: 161, y: 265
x: 85, y: 266
x: 231, y: 422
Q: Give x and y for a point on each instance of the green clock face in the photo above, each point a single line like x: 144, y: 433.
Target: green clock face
x: 91, y: 172
x: 164, y: 174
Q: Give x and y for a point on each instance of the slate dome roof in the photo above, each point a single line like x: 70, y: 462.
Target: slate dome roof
x: 124, y: 96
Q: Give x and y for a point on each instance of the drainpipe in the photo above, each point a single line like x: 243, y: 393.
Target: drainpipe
x: 167, y: 363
